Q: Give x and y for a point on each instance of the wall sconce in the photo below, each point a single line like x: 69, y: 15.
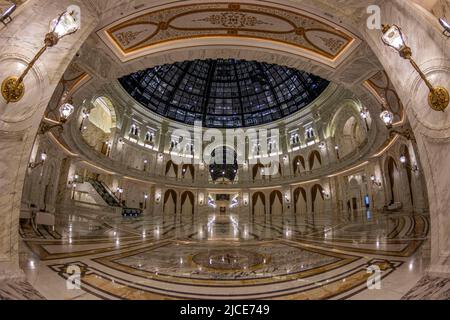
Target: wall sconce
x: 373, y: 179
x: 66, y: 24
x: 65, y: 111
x: 388, y: 118
x: 85, y: 115
x: 5, y: 18
x: 405, y: 163
x: 446, y: 27
x: 158, y: 196
x: 287, y: 197
x: 393, y: 37
x: 34, y: 165
x: 325, y: 195
x: 364, y: 113
x: 322, y: 145
x: 245, y: 199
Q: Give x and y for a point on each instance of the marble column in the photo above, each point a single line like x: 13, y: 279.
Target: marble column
x: 431, y: 51
x: 19, y: 122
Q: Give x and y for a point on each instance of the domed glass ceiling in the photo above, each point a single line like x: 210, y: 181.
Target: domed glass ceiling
x: 223, y: 93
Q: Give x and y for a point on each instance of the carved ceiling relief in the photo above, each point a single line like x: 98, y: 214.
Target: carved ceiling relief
x: 381, y: 85
x: 229, y: 20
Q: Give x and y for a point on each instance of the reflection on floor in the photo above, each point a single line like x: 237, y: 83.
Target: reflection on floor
x: 227, y: 257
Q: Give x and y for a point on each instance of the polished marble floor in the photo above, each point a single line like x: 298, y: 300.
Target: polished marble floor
x: 228, y: 256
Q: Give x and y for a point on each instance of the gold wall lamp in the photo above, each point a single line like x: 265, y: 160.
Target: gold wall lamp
x: 34, y: 165
x: 65, y: 24
x: 404, y: 161
x: 65, y: 111
x: 388, y: 118
x: 438, y: 98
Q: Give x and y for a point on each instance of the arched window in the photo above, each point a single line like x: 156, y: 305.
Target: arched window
x: 149, y: 137
x: 134, y: 130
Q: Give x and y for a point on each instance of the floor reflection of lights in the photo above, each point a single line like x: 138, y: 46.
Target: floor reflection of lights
x: 227, y: 256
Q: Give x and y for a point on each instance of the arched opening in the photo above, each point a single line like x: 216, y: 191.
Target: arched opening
x: 352, y: 136
x: 223, y: 167
x: 97, y: 128
x: 188, y: 171
x: 258, y: 204
x: 276, y: 202
x: 170, y: 202
x: 187, y: 203
x: 258, y: 171
x: 300, y: 201
x: 298, y: 165
x: 355, y: 196
x: 393, y: 181
x: 317, y: 199
x: 408, y: 171
x: 314, y: 160
x: 171, y: 169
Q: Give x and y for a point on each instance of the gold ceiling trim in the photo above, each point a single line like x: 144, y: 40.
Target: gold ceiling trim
x: 140, y: 34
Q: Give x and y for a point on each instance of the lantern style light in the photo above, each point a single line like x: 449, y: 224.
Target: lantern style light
x: 65, y: 24
x: 393, y: 37
x: 65, y: 111
x: 387, y: 117
x: 372, y: 178
x: 364, y: 113
x: 43, y: 156
x: 402, y: 159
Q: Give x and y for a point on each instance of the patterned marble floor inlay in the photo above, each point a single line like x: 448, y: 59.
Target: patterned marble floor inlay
x: 89, y: 255
x: 18, y: 290
x: 430, y: 288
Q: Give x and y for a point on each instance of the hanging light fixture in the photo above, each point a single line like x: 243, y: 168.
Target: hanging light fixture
x: 393, y: 37
x: 65, y: 111
x: 387, y: 117
x: 65, y: 24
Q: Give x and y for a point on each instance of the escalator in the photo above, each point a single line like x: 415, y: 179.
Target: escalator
x: 105, y: 193
x: 112, y: 201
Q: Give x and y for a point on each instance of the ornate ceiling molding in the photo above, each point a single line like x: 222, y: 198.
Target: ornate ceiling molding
x: 267, y: 27
x: 383, y: 90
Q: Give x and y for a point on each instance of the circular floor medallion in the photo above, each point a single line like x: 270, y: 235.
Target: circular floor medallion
x: 228, y: 259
